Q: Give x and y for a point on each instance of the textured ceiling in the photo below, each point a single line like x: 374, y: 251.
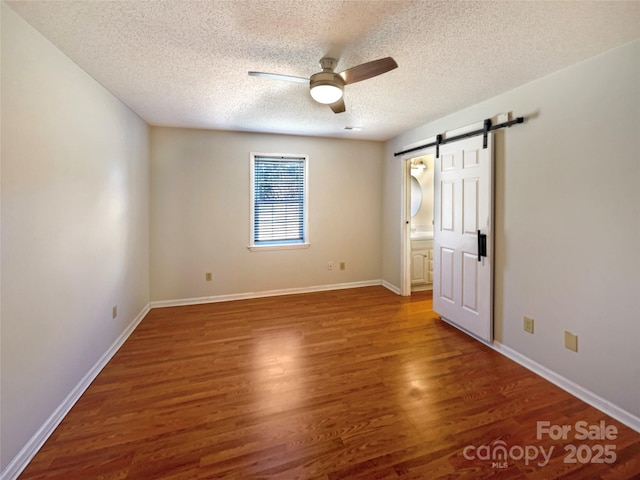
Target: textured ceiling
x: 185, y: 63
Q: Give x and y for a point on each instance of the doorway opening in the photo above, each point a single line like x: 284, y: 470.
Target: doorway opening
x: 418, y: 241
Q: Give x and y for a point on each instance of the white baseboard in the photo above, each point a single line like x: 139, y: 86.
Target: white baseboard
x: 266, y: 293
x: 573, y: 388
x: 392, y: 287
x: 22, y: 459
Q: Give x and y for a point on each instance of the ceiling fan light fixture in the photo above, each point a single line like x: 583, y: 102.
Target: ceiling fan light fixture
x: 326, y: 87
x: 326, y: 94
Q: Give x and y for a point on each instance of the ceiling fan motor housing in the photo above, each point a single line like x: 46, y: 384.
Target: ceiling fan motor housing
x: 326, y: 78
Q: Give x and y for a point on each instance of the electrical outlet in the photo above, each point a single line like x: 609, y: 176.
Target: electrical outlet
x: 208, y: 276
x: 330, y: 265
x: 528, y: 324
x: 343, y: 265
x: 571, y: 341
x: 114, y: 311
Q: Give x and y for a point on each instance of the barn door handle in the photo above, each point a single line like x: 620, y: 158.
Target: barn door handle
x: 482, y: 245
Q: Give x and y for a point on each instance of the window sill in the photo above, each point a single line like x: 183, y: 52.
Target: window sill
x: 264, y: 248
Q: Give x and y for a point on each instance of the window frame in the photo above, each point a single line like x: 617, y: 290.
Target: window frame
x: 285, y: 245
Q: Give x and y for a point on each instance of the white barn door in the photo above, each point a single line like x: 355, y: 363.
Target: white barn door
x: 463, y: 214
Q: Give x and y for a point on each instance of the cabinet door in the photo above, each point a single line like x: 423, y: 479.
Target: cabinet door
x: 419, y: 267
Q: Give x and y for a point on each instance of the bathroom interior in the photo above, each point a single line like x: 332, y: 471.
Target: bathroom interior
x: 421, y: 222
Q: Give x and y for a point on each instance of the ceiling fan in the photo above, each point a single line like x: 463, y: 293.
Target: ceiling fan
x: 327, y: 87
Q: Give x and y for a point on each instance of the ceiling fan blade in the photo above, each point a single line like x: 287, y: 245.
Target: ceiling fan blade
x: 368, y: 70
x: 339, y: 106
x: 277, y: 76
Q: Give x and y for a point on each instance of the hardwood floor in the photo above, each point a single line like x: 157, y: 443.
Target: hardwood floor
x: 348, y: 384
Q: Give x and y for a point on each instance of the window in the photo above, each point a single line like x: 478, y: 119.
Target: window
x: 278, y: 201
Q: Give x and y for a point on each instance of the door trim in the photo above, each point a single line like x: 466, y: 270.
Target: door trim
x: 405, y: 247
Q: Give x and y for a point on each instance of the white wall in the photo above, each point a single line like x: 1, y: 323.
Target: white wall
x: 74, y: 227
x: 567, y: 220
x: 200, y: 214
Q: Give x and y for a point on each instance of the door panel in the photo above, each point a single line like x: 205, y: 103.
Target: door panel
x: 448, y: 161
x: 463, y: 202
x: 470, y: 205
x: 445, y: 278
x: 446, y: 212
x: 470, y: 158
x: 470, y: 282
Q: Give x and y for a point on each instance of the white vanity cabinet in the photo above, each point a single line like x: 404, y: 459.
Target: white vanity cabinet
x: 421, y: 264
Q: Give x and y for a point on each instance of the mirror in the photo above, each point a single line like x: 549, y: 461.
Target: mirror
x: 416, y: 195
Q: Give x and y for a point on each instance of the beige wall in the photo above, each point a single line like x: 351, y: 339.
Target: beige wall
x: 567, y: 220
x: 74, y: 227
x: 200, y: 214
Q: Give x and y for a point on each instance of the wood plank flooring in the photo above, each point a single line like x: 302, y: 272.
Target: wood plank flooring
x: 348, y: 384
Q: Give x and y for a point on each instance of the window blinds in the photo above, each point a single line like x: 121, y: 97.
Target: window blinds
x: 279, y: 200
